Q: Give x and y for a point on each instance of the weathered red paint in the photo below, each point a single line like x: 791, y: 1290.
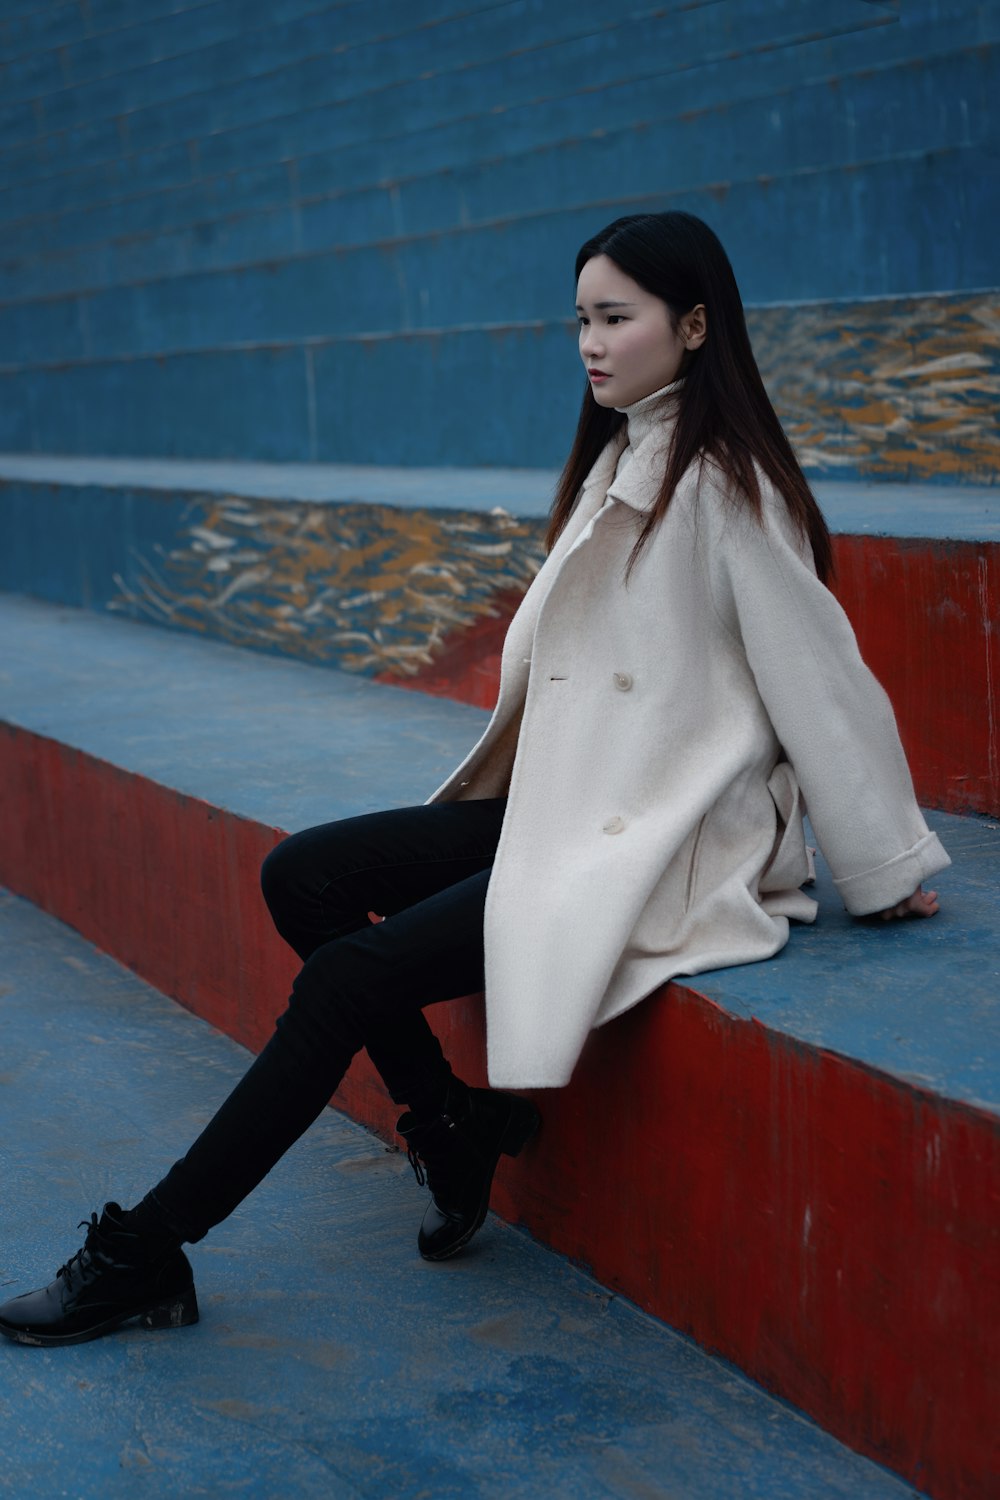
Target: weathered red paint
x: 832, y: 1230
x: 467, y: 666
x: 927, y: 616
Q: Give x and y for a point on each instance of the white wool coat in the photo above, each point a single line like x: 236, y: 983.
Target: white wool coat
x: 658, y: 743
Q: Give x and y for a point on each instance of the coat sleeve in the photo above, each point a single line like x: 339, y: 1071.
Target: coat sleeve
x: 832, y: 717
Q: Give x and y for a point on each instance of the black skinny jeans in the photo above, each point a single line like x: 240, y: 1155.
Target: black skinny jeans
x: 425, y: 870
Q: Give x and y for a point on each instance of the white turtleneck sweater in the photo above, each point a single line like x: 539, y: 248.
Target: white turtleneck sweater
x: 644, y: 416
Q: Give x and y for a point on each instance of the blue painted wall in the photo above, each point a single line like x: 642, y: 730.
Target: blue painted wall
x: 346, y: 231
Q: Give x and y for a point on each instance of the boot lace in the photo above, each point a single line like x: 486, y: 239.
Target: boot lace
x: 445, y: 1164
x: 82, y: 1263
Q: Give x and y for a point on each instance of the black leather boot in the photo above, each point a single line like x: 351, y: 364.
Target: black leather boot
x: 456, y: 1154
x: 116, y: 1276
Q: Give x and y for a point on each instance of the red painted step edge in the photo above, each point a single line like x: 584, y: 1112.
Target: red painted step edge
x: 927, y: 617
x: 829, y: 1229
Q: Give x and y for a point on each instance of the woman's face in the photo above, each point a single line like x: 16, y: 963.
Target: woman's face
x: 627, y: 341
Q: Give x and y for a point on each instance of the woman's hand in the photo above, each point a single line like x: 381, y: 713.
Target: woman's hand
x: 921, y: 904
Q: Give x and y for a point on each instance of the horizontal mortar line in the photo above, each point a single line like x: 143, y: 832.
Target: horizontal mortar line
x: 288, y: 203
x: 329, y: 483
x: 381, y: 186
x: 343, y: 52
x: 307, y: 341
x: 113, y: 466
x: 169, y: 15
x: 440, y: 331
x: 207, y: 5
x: 702, y: 62
x: 55, y: 48
x: 819, y: 81
x: 191, y: 51
x: 33, y: 12
x: 934, y: 294
x: 352, y: 498
x: 341, y: 247
x: 473, y: 227
x: 20, y: 148
x: 658, y: 13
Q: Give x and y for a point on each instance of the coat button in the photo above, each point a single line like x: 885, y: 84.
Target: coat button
x: 614, y: 825
x: 623, y: 680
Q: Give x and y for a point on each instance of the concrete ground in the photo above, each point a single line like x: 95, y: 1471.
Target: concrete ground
x: 330, y: 1360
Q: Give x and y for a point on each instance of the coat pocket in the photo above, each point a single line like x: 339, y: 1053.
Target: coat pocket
x: 791, y: 860
x: 692, y: 869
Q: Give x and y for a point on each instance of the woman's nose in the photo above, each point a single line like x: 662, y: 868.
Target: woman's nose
x: 590, y: 344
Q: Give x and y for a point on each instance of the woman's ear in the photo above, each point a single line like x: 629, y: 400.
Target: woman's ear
x: 694, y: 327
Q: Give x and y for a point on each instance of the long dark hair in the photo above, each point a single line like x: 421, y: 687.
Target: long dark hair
x: 724, y: 412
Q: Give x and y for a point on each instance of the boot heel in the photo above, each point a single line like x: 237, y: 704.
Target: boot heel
x: 523, y: 1124
x: 175, y: 1312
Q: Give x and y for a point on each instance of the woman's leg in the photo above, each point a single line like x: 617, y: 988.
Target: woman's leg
x: 321, y: 884
x: 364, y: 987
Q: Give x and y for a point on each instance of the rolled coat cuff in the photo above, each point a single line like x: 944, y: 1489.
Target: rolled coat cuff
x: 885, y: 885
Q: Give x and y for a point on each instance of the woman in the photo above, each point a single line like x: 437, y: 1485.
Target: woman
x: 676, y: 683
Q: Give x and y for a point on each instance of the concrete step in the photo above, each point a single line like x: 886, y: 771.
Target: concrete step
x: 412, y: 575
x: 812, y: 1145
x: 330, y: 1361
x: 92, y: 229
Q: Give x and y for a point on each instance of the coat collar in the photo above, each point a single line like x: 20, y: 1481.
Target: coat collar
x: 605, y: 465
x: 649, y: 428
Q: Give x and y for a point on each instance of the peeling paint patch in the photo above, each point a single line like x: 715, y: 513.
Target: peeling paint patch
x: 286, y: 577
x: 898, y: 389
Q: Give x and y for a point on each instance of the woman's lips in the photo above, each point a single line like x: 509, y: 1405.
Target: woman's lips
x: 598, y: 375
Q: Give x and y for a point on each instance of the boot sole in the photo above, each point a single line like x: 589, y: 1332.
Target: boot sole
x: 179, y: 1311
x: 524, y: 1124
